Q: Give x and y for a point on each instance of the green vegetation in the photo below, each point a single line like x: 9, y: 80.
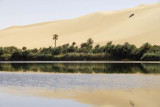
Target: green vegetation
x: 86, y: 51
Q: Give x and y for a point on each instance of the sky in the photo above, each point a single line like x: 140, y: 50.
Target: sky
x: 24, y: 12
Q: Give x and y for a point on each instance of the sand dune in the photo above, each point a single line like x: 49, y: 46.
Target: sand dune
x: 104, y: 26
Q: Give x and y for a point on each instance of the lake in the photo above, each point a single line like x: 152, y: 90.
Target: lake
x: 79, y: 85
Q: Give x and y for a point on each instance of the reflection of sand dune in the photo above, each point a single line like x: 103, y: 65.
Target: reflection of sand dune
x: 101, y: 26
x: 98, y: 98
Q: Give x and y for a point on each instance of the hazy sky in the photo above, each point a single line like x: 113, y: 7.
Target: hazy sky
x: 23, y: 12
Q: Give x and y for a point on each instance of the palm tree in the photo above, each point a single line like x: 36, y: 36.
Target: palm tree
x: 74, y: 43
x: 109, y: 43
x: 90, y: 41
x: 83, y: 45
x: 24, y: 48
x: 55, y: 37
x: 97, y: 46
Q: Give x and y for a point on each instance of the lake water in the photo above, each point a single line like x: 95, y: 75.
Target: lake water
x: 79, y: 85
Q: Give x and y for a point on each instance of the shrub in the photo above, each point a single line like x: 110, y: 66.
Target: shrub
x: 151, y: 57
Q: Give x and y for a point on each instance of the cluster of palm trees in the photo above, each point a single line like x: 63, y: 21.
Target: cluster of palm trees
x: 89, y: 41
x: 84, y: 51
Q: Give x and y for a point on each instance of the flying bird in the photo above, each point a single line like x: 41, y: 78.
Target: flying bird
x: 131, y: 15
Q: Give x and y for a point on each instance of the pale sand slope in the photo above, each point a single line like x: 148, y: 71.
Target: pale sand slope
x: 101, y: 26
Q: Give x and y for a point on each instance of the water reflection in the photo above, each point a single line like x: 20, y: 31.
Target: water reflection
x: 8, y: 100
x: 96, y: 98
x: 83, y: 68
x: 125, y: 88
x: 83, y: 81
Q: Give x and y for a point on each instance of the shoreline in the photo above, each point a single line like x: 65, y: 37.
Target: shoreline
x: 158, y: 62
x: 79, y: 73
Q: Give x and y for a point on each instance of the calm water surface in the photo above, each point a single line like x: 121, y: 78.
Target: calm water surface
x: 61, y: 85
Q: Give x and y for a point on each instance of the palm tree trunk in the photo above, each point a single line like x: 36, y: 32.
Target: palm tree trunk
x: 55, y: 43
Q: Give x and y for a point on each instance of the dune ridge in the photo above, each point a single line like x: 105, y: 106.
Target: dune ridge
x: 103, y: 26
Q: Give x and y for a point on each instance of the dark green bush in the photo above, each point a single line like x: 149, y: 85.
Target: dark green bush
x: 151, y: 57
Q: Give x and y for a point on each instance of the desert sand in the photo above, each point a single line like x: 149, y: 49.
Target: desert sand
x: 104, y: 26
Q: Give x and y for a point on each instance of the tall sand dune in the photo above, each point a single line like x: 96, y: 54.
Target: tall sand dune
x: 104, y: 26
